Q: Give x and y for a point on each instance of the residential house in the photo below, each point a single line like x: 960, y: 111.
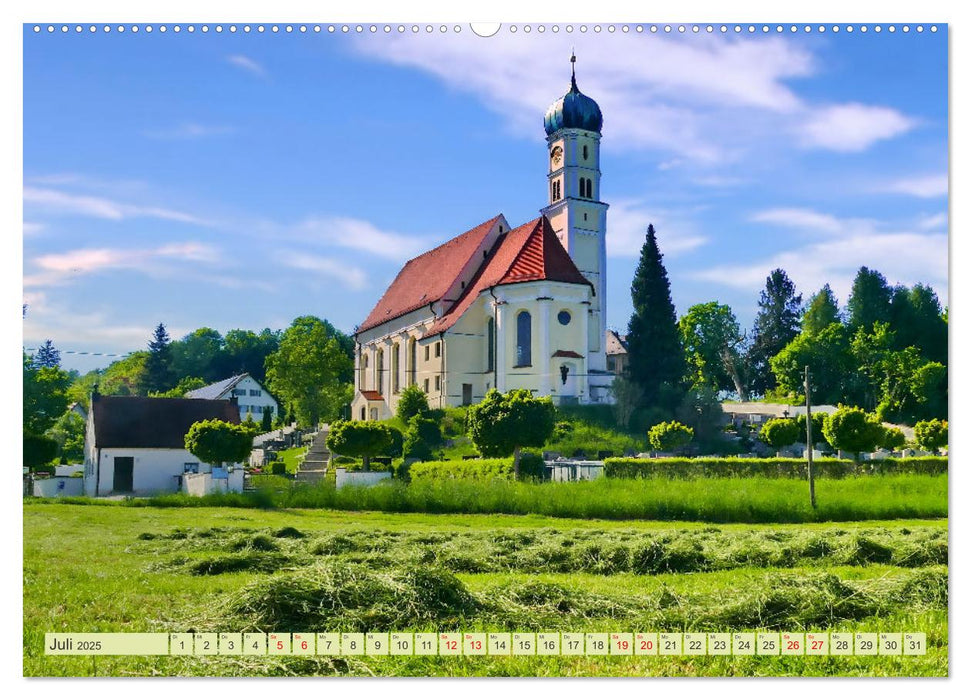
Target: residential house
x: 251, y: 396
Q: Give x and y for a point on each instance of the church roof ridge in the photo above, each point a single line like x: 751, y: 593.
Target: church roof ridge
x: 528, y: 253
x: 426, y: 278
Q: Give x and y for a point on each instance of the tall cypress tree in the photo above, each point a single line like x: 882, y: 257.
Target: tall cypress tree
x: 158, y: 365
x: 656, y: 357
x: 776, y: 324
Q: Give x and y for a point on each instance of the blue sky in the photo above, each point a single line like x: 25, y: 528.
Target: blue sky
x: 240, y: 180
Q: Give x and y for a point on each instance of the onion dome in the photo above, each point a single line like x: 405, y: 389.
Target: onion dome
x: 574, y: 110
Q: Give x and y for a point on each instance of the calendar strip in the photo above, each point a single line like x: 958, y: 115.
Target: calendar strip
x: 489, y: 644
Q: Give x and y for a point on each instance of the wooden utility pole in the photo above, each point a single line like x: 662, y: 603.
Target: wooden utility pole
x: 809, y: 443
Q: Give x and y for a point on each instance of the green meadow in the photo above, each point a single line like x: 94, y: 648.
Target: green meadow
x: 110, y: 568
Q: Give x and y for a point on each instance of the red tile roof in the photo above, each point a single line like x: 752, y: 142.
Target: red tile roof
x: 529, y: 253
x: 567, y: 353
x: 426, y: 279
x: 372, y: 395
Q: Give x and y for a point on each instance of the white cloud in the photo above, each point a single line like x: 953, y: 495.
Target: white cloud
x: 800, y: 218
x: 32, y: 228
x: 189, y: 130
x: 926, y: 186
x: 62, y: 268
x: 704, y: 98
x: 45, y: 199
x: 247, y: 64
x: 852, y: 127
x: 935, y: 221
x: 328, y: 268
x: 627, y: 227
x: 903, y: 256
x: 353, y: 234
x: 648, y: 88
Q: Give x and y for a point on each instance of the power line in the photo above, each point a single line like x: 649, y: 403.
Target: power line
x: 84, y: 352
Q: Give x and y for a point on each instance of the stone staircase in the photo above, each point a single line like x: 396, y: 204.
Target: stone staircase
x: 314, y: 465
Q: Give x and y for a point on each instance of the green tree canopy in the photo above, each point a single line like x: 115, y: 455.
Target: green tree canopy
x: 893, y: 439
x: 412, y: 402
x: 311, y: 370
x: 826, y: 353
x: 199, y: 354
x: 68, y: 433
x: 656, y: 358
x: 712, y: 344
x: 669, y: 436
x: 364, y: 439
x: 245, y: 351
x: 776, y: 324
x: 502, y: 424
x: 125, y: 377
x: 782, y: 432
x: 44, y: 394
x: 918, y: 321
x: 821, y: 312
x: 216, y: 441
x: 931, y: 435
x: 869, y: 301
x: 39, y: 450
x: 185, y: 385
x: 422, y: 437
x: 853, y: 430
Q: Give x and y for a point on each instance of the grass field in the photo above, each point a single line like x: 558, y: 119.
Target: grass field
x: 715, y: 500
x: 99, y: 568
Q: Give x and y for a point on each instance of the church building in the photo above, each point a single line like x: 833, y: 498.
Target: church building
x: 503, y: 307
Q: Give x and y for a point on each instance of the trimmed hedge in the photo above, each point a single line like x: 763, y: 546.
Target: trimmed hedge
x: 786, y: 468
x: 531, y: 467
x: 462, y: 469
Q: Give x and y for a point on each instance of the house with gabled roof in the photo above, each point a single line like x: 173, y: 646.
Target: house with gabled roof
x: 252, y: 397
x: 500, y: 306
x: 135, y: 445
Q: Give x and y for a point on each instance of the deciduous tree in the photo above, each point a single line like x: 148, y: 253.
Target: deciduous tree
x: 931, y: 435
x: 216, y: 441
x: 311, y: 370
x: 502, y: 424
x: 712, y: 342
x: 853, y: 430
x: 364, y: 439
x: 669, y: 436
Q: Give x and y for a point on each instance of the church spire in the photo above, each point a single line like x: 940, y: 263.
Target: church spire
x: 573, y: 70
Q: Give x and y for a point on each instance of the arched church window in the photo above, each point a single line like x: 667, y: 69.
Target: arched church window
x: 395, y: 369
x: 490, y: 345
x: 524, y: 339
x: 412, y: 360
x: 379, y: 371
x: 364, y: 368
x: 585, y: 153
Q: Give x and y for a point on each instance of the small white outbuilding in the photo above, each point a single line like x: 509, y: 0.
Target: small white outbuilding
x: 135, y: 445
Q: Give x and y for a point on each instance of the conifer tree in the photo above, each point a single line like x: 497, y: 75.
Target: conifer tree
x: 657, y: 363
x: 776, y: 324
x: 822, y: 311
x: 869, y: 300
x: 47, y: 356
x: 158, y: 365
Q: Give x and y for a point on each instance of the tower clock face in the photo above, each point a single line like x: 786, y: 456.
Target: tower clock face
x: 556, y: 155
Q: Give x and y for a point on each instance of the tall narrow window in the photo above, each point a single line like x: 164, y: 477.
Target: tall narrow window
x: 490, y: 345
x: 524, y: 339
x: 586, y: 153
x: 378, y: 372
x: 364, y: 368
x: 412, y: 360
x: 395, y: 369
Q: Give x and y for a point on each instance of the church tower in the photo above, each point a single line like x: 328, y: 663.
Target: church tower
x: 578, y: 217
